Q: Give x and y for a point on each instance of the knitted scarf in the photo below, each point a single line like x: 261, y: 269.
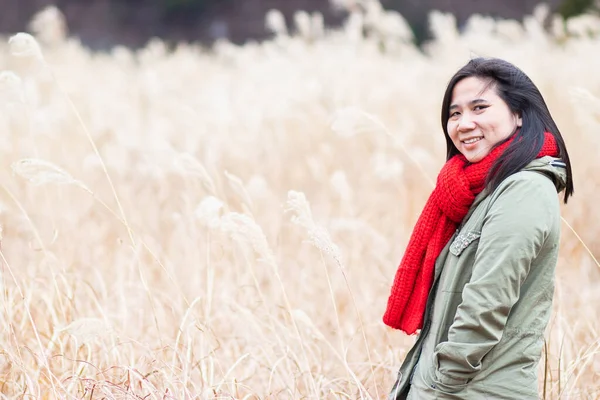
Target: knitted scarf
x: 457, y: 185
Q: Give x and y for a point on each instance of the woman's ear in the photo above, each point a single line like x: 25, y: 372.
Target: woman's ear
x: 519, y: 121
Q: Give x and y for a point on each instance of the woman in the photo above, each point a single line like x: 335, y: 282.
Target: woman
x: 477, y: 276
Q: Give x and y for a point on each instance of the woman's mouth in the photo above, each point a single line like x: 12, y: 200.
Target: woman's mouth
x: 472, y: 140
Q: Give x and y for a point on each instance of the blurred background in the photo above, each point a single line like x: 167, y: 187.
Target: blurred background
x: 226, y: 222
x: 102, y: 24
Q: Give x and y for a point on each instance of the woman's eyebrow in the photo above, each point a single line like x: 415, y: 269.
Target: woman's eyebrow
x: 471, y: 103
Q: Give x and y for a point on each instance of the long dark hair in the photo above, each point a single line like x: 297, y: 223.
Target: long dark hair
x: 524, y: 99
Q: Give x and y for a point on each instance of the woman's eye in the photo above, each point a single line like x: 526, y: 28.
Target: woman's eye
x: 454, y: 114
x: 479, y: 108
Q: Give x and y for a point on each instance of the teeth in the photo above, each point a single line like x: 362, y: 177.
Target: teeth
x: 472, y: 140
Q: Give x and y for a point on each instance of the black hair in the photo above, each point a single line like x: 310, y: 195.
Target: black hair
x: 524, y: 99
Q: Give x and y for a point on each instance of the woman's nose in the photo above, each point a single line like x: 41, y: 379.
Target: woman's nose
x: 466, y: 123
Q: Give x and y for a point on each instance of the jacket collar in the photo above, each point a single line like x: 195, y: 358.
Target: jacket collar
x: 554, y: 168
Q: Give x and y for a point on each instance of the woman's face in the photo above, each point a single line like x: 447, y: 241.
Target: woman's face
x: 479, y: 118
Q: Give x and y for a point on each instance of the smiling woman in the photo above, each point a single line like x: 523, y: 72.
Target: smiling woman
x: 477, y: 277
x: 479, y: 118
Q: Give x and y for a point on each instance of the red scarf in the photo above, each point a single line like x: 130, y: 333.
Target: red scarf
x: 457, y: 185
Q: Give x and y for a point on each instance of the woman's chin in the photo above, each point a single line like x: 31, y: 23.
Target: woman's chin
x: 474, y: 156
x: 474, y: 159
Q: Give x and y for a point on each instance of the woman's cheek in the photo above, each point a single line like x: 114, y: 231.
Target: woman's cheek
x: 452, y: 133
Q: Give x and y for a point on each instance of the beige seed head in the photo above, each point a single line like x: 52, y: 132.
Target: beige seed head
x: 85, y: 330
x: 541, y: 12
x: 583, y: 25
x: 510, y: 29
x: 582, y: 97
x: 339, y: 181
x: 24, y: 45
x: 303, y: 318
x: 317, y: 235
x: 351, y: 121
x: 258, y: 188
x: 208, y: 212
x: 39, y: 172
x: 374, y: 12
x: 393, y: 24
x: 347, y: 5
x: 275, y: 22
x: 443, y: 26
x: 243, y: 229
x: 557, y: 27
x: 187, y: 164
x: 318, y: 25
x: 385, y: 167
x: 9, y: 79
x: 11, y: 86
x: 49, y: 25
x: 354, y: 25
x: 303, y: 24
x: 480, y: 25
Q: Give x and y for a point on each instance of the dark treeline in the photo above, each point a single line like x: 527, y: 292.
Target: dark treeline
x: 102, y: 24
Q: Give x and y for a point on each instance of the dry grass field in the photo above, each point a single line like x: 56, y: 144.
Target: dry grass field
x: 225, y: 223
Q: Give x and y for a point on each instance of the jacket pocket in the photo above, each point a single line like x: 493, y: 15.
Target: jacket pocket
x: 462, y: 241
x: 447, y: 385
x: 443, y: 384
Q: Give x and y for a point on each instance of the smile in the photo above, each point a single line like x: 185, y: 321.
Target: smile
x: 472, y: 140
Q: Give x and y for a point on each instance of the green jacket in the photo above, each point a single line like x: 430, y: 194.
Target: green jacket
x: 491, y: 297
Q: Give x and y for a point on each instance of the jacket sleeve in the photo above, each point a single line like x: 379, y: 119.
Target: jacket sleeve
x: 514, y: 230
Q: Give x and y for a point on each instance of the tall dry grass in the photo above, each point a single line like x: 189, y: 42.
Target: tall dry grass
x: 226, y: 222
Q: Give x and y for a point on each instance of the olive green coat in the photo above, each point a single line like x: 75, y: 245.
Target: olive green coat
x: 492, y: 294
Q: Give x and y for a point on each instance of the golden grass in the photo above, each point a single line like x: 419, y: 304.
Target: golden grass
x: 226, y: 223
